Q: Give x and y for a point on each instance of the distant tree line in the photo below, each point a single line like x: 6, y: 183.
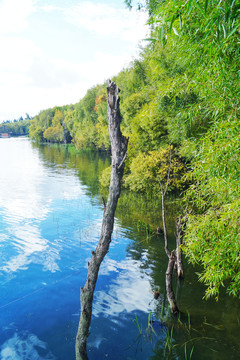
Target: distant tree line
x: 16, y: 127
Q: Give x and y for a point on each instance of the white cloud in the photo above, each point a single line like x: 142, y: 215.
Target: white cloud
x: 17, y: 57
x: 36, y: 72
x: 108, y: 21
x: 107, y: 65
x: 31, y: 81
x: 105, y: 20
x: 50, y: 8
x: 14, y: 14
x: 17, y: 54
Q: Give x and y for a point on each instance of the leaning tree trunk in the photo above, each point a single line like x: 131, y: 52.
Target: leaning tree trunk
x: 119, y: 150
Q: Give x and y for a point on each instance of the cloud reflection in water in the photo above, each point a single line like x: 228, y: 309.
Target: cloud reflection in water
x: 24, y: 345
x: 130, y: 290
x: 27, y: 199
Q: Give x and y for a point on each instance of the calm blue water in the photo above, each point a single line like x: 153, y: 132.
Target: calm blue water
x: 48, y: 226
x: 49, y: 223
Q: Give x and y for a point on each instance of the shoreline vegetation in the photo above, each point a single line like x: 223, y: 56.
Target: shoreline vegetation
x: 181, y: 97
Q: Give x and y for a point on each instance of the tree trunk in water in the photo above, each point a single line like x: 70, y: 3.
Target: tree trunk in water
x: 170, y: 293
x: 119, y: 145
x: 164, y: 227
x: 179, y: 243
x: 172, y: 255
x: 171, y: 262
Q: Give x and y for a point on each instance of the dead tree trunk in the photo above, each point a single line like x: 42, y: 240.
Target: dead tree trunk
x: 119, y: 151
x: 170, y: 293
x: 178, y: 250
x: 171, y: 255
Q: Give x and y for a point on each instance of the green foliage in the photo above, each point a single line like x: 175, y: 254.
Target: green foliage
x: 103, y: 141
x: 131, y: 107
x: 149, y: 127
x: 40, y: 123
x: 149, y: 170
x: 35, y: 131
x: 105, y: 177
x: 85, y: 119
x: 216, y: 167
x: 212, y: 239
x: 54, y: 133
x: 57, y: 118
x: 212, y: 233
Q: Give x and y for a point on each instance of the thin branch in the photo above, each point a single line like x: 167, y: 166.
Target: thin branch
x: 161, y: 187
x: 164, y: 221
x: 122, y: 162
x: 179, y: 224
x: 104, y: 204
x: 169, y: 169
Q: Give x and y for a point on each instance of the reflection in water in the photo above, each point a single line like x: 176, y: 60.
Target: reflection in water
x: 86, y: 165
x: 50, y: 220
x: 25, y: 201
x: 129, y: 291
x: 25, y: 346
x: 29, y: 242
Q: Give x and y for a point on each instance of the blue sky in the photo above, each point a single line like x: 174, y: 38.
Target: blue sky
x: 52, y: 51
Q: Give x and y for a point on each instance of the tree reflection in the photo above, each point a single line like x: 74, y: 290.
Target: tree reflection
x: 87, y: 165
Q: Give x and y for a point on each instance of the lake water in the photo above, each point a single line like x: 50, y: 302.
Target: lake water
x: 50, y: 220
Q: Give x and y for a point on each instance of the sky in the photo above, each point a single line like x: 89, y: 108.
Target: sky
x: 53, y: 51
